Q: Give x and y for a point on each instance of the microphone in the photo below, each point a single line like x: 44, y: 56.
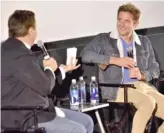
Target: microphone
x: 130, y: 52
x: 44, y: 50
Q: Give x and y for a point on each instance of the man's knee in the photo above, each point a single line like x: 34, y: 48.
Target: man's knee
x: 89, y: 121
x: 79, y: 129
x: 148, y: 104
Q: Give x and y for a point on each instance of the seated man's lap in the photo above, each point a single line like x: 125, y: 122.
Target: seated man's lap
x: 62, y: 125
x: 79, y: 117
x: 137, y: 96
x: 74, y: 122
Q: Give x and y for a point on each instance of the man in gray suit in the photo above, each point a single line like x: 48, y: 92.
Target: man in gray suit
x: 24, y: 83
x: 111, y: 53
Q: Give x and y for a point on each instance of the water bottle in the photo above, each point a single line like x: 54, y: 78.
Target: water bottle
x: 82, y: 91
x: 94, y: 93
x: 74, y: 95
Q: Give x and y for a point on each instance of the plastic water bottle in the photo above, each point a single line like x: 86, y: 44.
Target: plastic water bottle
x: 94, y: 93
x: 82, y: 91
x: 74, y: 95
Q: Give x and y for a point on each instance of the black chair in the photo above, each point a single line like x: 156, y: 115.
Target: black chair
x: 128, y: 110
x: 159, y: 84
x: 23, y: 128
x: 116, y: 127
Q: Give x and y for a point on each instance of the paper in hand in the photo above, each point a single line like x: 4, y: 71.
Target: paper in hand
x: 71, y: 52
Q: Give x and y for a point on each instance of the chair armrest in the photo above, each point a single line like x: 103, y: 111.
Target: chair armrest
x: 23, y: 107
x: 161, y: 79
x: 35, y: 129
x: 63, y: 99
x: 18, y: 130
x: 125, y: 86
x: 117, y: 85
x: 158, y: 83
x: 161, y: 85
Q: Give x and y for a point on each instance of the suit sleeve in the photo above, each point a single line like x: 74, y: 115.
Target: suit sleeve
x: 29, y: 71
x: 59, y: 74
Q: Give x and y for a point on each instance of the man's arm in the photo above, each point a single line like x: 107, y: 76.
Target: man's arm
x: 30, y: 72
x: 60, y: 73
x: 92, y: 52
x: 153, y: 70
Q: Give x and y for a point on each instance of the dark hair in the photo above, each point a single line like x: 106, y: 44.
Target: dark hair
x: 20, y: 22
x: 131, y: 9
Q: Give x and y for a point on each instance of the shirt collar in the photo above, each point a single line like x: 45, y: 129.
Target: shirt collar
x: 27, y: 45
x: 114, y: 34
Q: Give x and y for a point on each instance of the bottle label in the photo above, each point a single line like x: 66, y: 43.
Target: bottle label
x: 74, y: 97
x: 94, y: 94
x: 82, y: 91
x: 82, y: 94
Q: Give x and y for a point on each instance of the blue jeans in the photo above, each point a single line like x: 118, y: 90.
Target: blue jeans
x: 73, y: 122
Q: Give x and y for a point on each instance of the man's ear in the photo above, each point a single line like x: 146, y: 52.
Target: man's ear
x: 30, y: 30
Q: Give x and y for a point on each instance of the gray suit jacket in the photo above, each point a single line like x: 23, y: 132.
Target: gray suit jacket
x: 103, y: 46
x: 24, y: 83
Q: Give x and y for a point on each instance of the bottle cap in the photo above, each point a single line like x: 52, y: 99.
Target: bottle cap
x: 81, y: 78
x: 74, y: 81
x: 93, y: 78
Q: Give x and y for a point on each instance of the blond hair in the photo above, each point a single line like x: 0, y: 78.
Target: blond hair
x: 131, y: 9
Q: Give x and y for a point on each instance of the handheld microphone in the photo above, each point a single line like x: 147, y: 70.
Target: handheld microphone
x: 44, y: 50
x: 130, y: 52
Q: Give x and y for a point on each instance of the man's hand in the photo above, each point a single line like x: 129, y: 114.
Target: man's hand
x: 135, y: 73
x: 122, y: 62
x: 51, y: 62
x: 72, y: 66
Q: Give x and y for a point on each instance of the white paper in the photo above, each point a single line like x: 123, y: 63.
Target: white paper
x: 71, y: 52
